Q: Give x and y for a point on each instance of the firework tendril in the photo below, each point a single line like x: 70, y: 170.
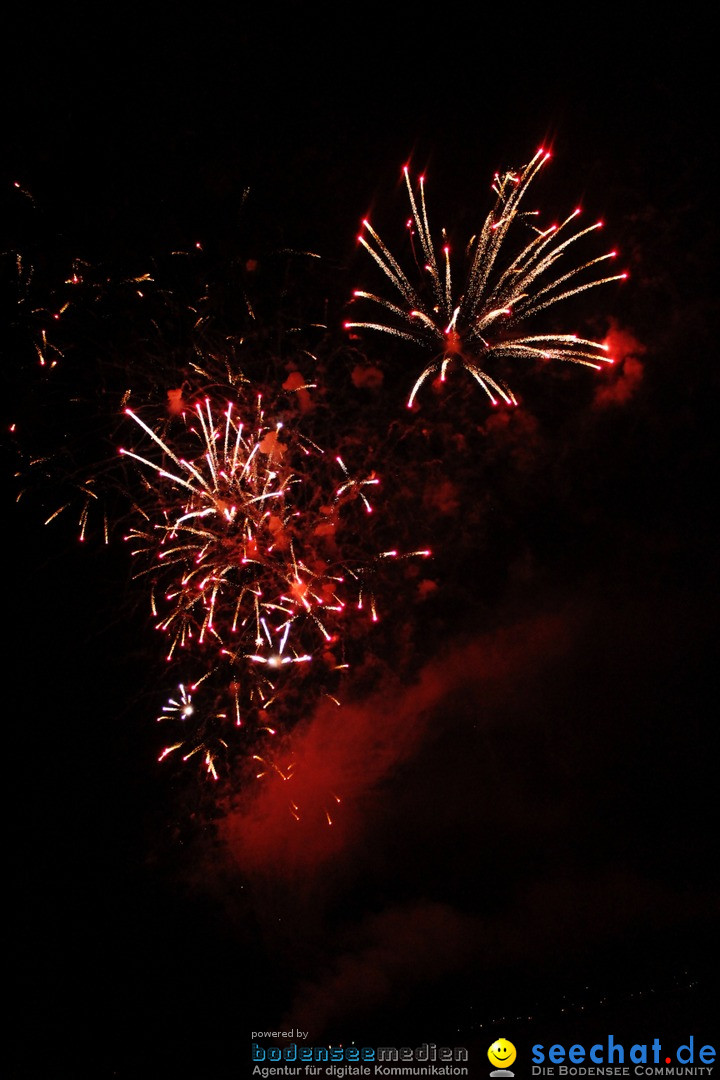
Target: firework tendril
x: 243, y: 556
x: 255, y: 543
x: 501, y: 291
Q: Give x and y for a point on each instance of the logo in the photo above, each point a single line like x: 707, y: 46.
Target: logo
x: 501, y: 1054
x: 612, y: 1058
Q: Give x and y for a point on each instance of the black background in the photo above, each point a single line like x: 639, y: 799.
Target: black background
x: 540, y: 861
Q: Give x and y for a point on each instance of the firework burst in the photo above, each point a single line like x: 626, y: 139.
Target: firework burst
x: 258, y: 548
x: 241, y: 543
x: 502, y: 290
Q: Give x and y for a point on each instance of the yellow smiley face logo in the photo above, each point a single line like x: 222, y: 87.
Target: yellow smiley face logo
x: 502, y: 1054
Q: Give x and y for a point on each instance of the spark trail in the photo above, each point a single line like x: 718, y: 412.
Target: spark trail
x: 241, y: 543
x: 507, y: 285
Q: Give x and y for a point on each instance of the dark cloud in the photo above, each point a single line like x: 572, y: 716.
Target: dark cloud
x: 405, y: 952
x: 494, y: 815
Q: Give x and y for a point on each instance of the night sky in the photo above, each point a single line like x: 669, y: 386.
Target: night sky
x: 527, y: 754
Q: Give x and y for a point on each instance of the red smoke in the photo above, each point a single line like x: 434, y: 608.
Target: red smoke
x: 349, y: 752
x: 628, y: 372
